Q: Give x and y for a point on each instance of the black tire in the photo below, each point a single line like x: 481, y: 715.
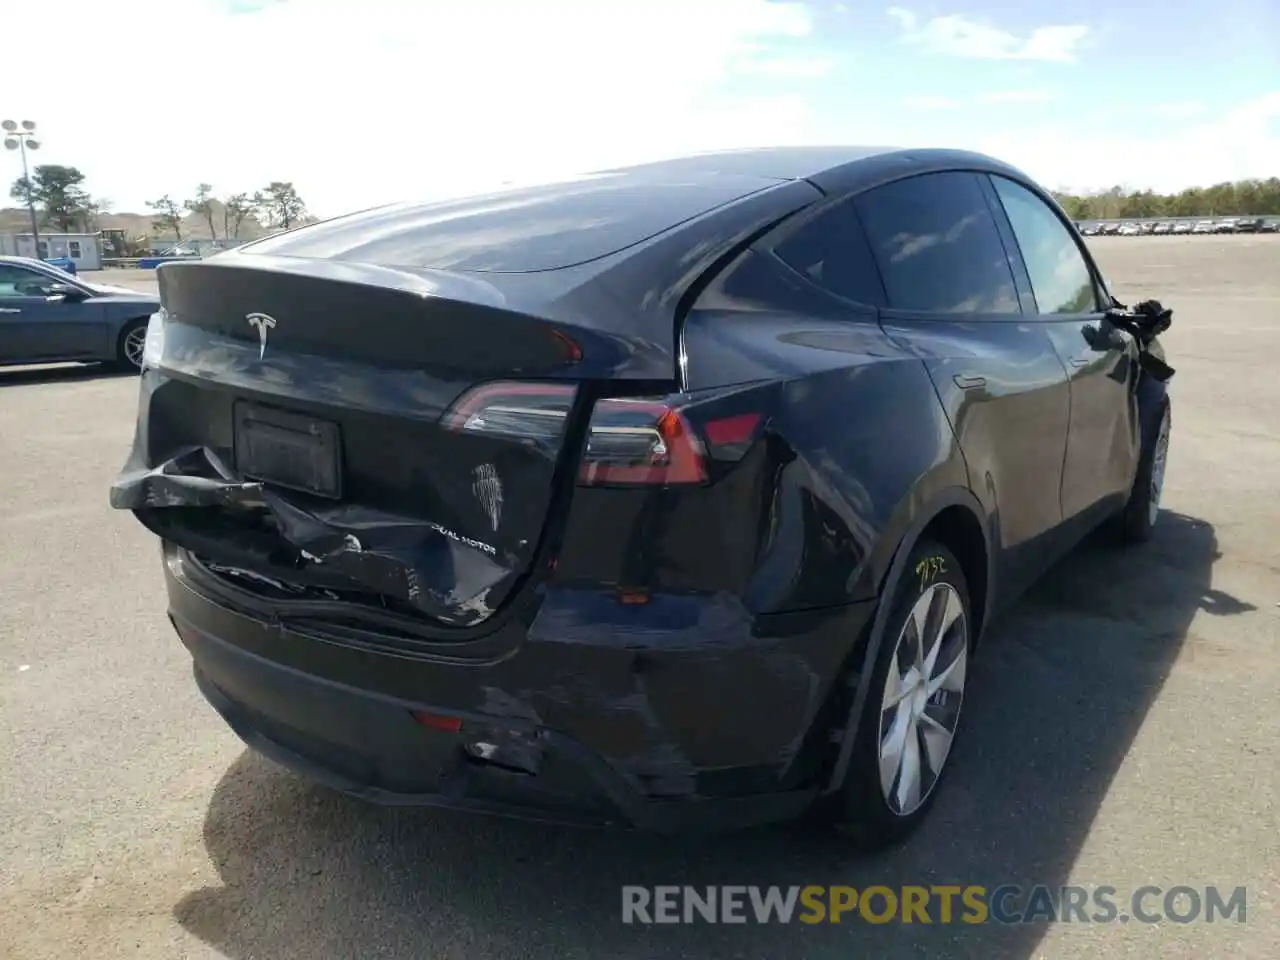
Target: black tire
x: 1136, y: 522
x: 131, y: 330
x: 867, y: 818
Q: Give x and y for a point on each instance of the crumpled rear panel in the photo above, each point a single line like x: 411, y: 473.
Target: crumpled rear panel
x: 418, y: 562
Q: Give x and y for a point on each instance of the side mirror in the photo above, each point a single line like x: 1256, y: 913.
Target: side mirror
x: 64, y: 291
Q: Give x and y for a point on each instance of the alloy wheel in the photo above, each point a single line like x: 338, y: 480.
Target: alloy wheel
x: 134, y: 343
x: 923, y: 692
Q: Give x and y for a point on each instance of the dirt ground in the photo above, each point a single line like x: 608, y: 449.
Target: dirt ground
x: 1121, y: 727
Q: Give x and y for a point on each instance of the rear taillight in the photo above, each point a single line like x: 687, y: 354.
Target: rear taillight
x: 631, y: 442
x: 641, y: 442
x: 532, y: 413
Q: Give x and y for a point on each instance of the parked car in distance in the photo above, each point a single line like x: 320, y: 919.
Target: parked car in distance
x: 592, y: 501
x: 176, y: 254
x: 48, y: 316
x: 1270, y: 225
x: 1129, y: 230
x: 1182, y: 226
x: 1203, y: 226
x: 1110, y: 229
x: 1163, y: 227
x: 1248, y: 225
x: 1225, y: 226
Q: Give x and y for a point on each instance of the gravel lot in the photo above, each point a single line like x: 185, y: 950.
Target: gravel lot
x: 1121, y: 727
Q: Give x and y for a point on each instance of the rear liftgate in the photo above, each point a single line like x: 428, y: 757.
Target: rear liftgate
x: 320, y: 462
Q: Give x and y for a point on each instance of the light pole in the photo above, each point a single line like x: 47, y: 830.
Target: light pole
x: 22, y: 137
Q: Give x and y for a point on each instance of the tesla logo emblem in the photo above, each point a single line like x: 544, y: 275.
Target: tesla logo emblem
x: 263, y: 324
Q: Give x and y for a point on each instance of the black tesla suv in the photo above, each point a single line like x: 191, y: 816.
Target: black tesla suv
x: 677, y: 495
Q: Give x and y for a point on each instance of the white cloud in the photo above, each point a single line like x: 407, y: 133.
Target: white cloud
x: 996, y: 96
x: 781, y: 68
x: 383, y: 100
x: 1241, y: 144
x: 904, y: 17
x: 1016, y: 96
x: 361, y: 103
x: 932, y: 103
x: 1180, y: 110
x: 958, y: 36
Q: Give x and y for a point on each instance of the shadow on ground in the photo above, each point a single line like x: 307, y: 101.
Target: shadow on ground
x: 62, y: 373
x: 1062, y: 687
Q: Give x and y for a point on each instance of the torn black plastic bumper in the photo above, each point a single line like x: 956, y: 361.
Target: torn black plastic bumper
x: 331, y: 546
x: 693, y: 718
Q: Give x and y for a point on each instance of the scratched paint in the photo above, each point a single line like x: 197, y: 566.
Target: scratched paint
x: 442, y: 573
x: 487, y: 487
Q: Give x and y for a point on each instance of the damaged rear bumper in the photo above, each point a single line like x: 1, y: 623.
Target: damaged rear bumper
x: 705, y: 725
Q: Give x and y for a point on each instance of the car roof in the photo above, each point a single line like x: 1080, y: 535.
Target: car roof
x: 833, y: 169
x: 552, y: 226
x: 774, y: 163
x: 31, y: 263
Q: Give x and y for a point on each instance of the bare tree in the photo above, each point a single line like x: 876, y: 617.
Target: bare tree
x: 235, y: 210
x: 280, y: 204
x: 202, y: 204
x: 168, y: 215
x: 57, y: 190
x: 91, y: 215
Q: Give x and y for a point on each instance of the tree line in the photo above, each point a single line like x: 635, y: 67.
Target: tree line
x: 1239, y: 198
x: 62, y: 202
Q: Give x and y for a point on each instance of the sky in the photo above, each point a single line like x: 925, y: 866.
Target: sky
x: 361, y: 102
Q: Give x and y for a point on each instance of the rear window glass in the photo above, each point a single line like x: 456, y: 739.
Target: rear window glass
x: 518, y: 231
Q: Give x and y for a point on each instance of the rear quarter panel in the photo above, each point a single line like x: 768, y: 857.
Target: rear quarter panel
x: 859, y: 445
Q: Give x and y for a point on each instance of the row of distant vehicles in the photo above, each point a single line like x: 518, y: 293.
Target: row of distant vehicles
x: 1135, y: 228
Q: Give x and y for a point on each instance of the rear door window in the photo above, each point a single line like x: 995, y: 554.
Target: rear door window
x: 1060, y: 277
x: 18, y: 283
x: 937, y: 246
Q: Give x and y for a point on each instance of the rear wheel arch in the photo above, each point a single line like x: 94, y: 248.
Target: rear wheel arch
x: 957, y: 527
x: 953, y: 517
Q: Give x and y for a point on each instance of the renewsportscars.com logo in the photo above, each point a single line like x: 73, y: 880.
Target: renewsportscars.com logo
x: 939, y: 903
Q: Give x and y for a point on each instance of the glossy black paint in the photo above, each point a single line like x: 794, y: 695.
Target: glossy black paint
x: 525, y: 230
x: 1101, y: 364
x: 835, y: 500
x: 686, y: 696
x: 702, y: 644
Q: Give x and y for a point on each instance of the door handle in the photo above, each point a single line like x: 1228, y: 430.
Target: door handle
x: 968, y: 381
x: 9, y: 310
x: 1079, y: 361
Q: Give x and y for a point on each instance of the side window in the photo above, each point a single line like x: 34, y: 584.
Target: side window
x: 937, y: 245
x: 16, y: 282
x: 75, y: 249
x: 1060, y: 277
x: 832, y: 251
